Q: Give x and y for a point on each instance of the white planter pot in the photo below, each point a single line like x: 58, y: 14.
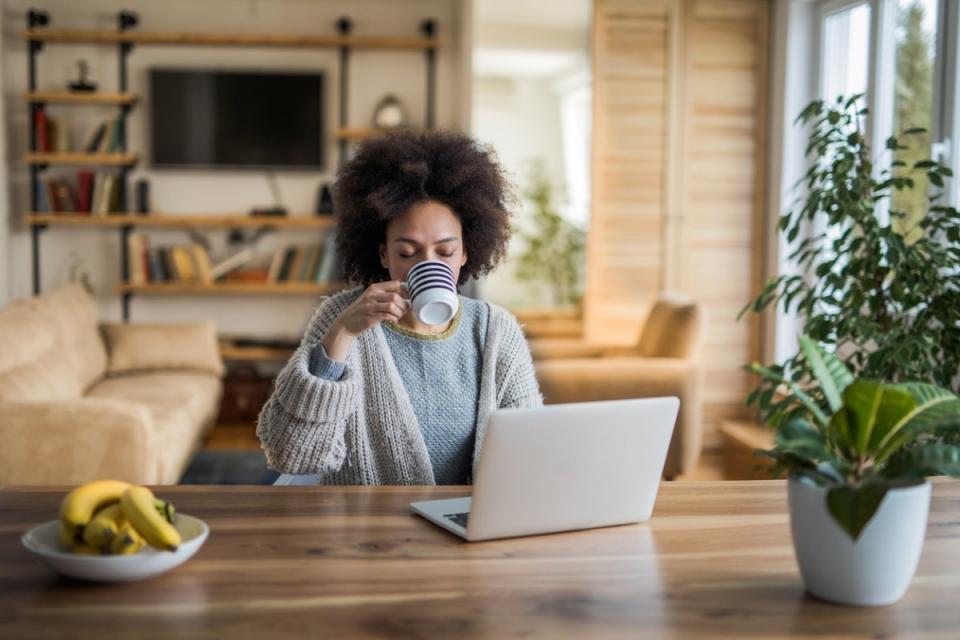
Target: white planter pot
x: 876, y: 569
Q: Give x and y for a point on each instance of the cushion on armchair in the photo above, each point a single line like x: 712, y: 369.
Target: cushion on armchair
x: 140, y: 347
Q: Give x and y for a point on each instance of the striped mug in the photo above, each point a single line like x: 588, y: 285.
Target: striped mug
x: 433, y: 292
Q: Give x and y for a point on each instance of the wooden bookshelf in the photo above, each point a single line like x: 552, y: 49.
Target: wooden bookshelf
x: 299, y: 221
x: 363, y: 133
x: 70, y: 157
x: 231, y: 39
x: 258, y: 288
x: 75, y: 97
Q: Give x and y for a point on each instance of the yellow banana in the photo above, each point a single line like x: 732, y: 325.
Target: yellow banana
x: 79, y: 505
x: 166, y: 510
x: 68, y: 535
x: 83, y: 549
x: 127, y: 540
x: 104, y: 526
x: 138, y: 505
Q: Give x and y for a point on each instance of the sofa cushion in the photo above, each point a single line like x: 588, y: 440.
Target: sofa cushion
x: 32, y: 367
x: 183, y: 405
x: 673, y: 329
x: 72, y: 314
x: 142, y: 347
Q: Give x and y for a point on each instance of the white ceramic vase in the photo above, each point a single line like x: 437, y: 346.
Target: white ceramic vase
x: 875, y: 570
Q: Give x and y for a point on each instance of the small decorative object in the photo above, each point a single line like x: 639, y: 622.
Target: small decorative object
x: 390, y: 113
x: 858, y: 453
x: 324, y: 200
x: 82, y: 84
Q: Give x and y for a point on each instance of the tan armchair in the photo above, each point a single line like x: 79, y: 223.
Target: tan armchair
x: 665, y: 362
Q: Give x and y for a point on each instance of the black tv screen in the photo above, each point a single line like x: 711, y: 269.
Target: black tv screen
x: 236, y: 119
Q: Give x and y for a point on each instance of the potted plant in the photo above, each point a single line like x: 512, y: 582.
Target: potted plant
x: 862, y: 412
x: 555, y: 247
x: 858, y: 464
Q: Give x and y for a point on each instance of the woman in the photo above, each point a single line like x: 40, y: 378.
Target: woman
x: 372, y: 395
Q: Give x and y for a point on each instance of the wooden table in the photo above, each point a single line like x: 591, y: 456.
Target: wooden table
x: 715, y: 561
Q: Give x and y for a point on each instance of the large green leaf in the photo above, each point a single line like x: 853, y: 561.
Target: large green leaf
x: 801, y: 438
x: 924, y: 460
x: 936, y: 410
x: 852, y: 507
x: 829, y: 371
x: 872, y: 410
x: 797, y: 392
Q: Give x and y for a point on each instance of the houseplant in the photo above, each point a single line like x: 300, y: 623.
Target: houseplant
x: 880, y: 301
x: 857, y: 462
x: 555, y: 247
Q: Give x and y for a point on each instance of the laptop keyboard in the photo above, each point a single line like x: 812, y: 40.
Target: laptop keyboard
x: 459, y: 518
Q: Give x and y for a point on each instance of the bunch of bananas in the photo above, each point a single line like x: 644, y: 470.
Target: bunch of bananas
x: 115, y: 517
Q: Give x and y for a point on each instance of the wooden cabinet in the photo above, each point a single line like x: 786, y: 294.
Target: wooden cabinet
x: 679, y: 156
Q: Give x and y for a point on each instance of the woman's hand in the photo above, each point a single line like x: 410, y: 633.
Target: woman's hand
x: 381, y: 301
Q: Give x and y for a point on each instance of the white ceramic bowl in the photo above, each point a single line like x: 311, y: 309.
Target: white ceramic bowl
x: 43, y: 541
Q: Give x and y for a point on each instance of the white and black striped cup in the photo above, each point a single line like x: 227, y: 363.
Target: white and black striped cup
x: 433, y: 292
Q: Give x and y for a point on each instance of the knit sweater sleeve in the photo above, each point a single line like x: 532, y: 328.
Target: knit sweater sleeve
x: 302, y: 425
x: 516, y: 378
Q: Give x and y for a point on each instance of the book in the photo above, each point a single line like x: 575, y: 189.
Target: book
x: 288, y: 255
x: 184, y: 264
x: 169, y: 268
x: 104, y: 145
x: 231, y: 263
x: 202, y: 262
x: 309, y: 254
x: 51, y: 134
x: 94, y: 142
x: 314, y: 265
x: 63, y: 195
x: 297, y: 264
x: 113, y: 200
x: 50, y: 196
x: 326, y: 271
x: 157, y: 274
x: 40, y: 125
x: 84, y: 190
x: 136, y: 245
x: 41, y: 197
x: 61, y: 139
x: 275, y: 263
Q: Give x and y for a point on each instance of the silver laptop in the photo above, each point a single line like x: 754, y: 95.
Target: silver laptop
x: 562, y: 467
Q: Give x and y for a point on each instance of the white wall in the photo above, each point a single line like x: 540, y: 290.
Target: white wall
x: 373, y: 74
x: 527, y: 57
x: 520, y: 117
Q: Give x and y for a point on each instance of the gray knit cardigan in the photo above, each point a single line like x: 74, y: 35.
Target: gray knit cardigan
x: 361, y: 429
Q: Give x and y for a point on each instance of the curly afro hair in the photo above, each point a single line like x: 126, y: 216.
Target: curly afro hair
x: 391, y: 173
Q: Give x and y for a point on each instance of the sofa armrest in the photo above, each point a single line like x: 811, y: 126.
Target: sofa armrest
x: 76, y: 441
x: 138, y: 347
x: 594, y: 379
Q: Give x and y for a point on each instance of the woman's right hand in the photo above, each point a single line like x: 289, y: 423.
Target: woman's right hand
x: 380, y: 301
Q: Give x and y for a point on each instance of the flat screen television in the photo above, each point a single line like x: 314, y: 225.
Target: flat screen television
x: 232, y: 119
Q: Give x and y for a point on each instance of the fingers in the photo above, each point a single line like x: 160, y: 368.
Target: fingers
x: 390, y: 297
x: 393, y: 286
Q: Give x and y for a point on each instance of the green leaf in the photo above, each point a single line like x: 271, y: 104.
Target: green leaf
x: 800, y: 437
x: 829, y: 371
x: 924, y: 460
x: 935, y: 408
x: 914, y: 130
x: 853, y: 507
x: 873, y: 409
x: 801, y: 396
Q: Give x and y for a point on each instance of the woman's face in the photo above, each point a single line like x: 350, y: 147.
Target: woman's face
x: 429, y: 230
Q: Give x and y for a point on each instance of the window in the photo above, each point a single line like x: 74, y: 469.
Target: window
x: 844, y: 56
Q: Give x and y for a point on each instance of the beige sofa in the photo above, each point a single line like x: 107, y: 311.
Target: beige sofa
x: 80, y: 401
x: 665, y: 362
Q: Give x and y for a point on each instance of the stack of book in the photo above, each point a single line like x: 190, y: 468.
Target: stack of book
x: 53, y: 134
x: 309, y: 263
x: 91, y: 193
